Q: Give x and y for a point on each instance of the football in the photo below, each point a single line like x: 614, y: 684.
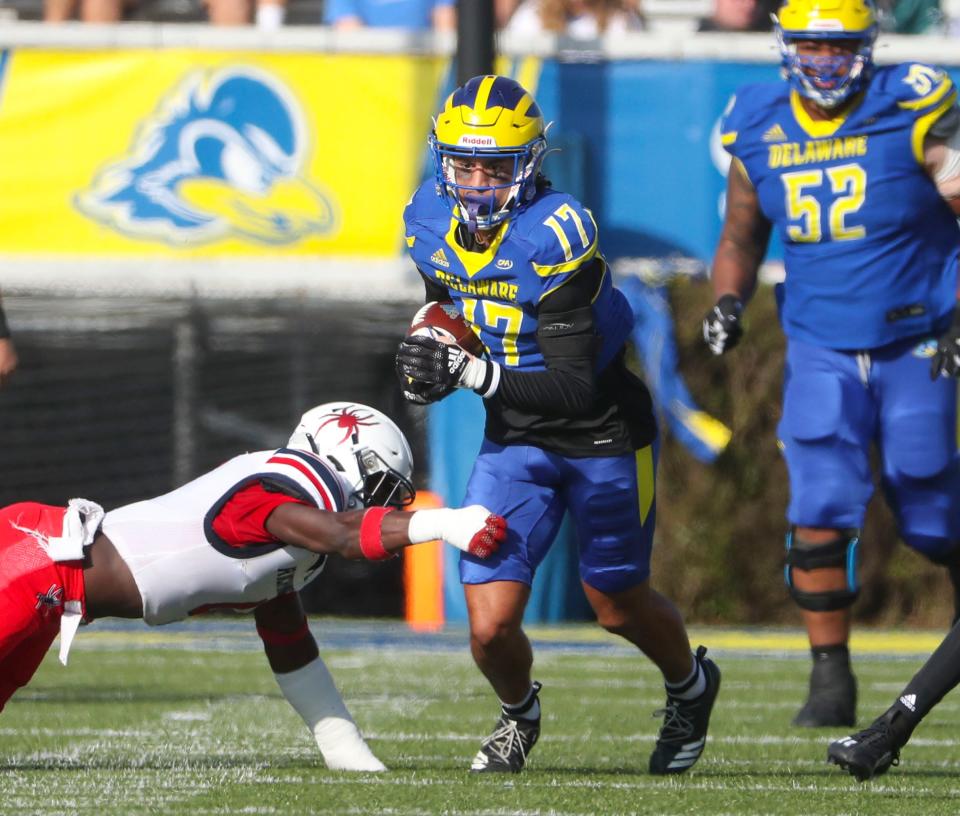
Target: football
x: 443, y: 322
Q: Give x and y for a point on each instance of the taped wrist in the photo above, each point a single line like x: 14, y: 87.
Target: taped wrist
x: 840, y: 552
x: 427, y: 525
x: 483, y: 376
x: 371, y: 534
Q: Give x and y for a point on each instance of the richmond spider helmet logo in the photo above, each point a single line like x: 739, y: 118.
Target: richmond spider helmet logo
x: 350, y: 419
x: 223, y: 156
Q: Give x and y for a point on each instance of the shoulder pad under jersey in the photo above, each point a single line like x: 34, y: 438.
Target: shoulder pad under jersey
x: 426, y: 211
x: 915, y: 86
x: 560, y: 232
x: 305, y: 475
x: 747, y: 107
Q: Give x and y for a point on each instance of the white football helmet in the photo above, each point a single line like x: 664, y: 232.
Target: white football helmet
x: 366, y: 448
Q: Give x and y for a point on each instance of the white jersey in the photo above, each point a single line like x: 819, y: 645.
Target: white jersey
x: 182, y: 567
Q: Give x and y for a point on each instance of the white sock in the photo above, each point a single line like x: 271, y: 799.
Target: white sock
x: 525, y: 709
x: 690, y: 687
x: 313, y: 694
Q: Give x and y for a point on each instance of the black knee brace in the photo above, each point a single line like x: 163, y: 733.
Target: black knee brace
x: 841, y: 552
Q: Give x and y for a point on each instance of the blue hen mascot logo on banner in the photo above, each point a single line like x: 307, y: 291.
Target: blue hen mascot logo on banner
x: 223, y: 156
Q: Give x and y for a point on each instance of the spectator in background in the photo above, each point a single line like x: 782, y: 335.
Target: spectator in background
x: 502, y: 12
x: 910, y: 16
x: 582, y: 19
x: 270, y: 14
x: 90, y: 11
x: 736, y: 15
x: 417, y: 15
x: 8, y: 354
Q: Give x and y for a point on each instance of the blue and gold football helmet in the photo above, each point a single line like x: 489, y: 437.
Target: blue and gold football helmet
x: 827, y: 80
x: 488, y: 117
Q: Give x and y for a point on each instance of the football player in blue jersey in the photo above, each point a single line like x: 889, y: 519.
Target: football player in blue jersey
x: 568, y: 427
x: 857, y: 167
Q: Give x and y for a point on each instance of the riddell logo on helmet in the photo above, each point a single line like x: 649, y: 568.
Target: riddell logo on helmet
x: 478, y: 141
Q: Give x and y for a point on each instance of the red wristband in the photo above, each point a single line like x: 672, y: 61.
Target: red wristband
x: 371, y: 537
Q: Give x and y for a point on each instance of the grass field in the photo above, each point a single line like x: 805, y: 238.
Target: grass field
x: 190, y: 721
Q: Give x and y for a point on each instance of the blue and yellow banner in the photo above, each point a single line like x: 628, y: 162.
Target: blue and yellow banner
x: 186, y: 153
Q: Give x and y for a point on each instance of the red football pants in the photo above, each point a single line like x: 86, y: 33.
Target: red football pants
x: 33, y: 589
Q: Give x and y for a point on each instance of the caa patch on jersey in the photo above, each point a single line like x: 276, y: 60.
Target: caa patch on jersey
x: 443, y: 322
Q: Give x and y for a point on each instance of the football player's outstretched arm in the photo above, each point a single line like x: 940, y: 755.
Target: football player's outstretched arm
x: 305, y: 681
x: 379, y: 532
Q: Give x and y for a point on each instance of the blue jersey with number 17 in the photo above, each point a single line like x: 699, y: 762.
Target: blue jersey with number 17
x: 500, y: 289
x: 870, y: 247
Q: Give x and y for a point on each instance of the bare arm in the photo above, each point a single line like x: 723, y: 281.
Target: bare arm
x: 444, y: 18
x: 743, y: 241
x: 8, y: 352
x: 329, y: 533
x: 8, y: 359
x: 377, y: 532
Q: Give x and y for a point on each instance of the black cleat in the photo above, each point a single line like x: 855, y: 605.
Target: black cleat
x: 867, y: 753
x: 832, y: 700
x: 507, y: 748
x: 683, y: 734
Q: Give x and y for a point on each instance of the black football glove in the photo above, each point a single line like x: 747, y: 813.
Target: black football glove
x: 427, y: 360
x: 421, y: 393
x: 721, y: 327
x: 946, y: 361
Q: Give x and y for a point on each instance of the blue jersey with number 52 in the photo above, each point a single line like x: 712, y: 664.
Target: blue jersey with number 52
x: 500, y: 289
x: 870, y: 247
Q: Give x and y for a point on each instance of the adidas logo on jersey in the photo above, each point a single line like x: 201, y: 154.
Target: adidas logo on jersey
x: 440, y: 258
x: 775, y: 134
x: 909, y: 701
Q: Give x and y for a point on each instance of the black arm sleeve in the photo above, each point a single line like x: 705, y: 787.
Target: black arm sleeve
x: 569, y: 345
x: 434, y: 291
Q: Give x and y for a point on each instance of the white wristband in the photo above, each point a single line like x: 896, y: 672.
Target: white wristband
x: 311, y: 691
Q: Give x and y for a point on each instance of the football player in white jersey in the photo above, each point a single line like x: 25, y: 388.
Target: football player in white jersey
x: 247, y: 535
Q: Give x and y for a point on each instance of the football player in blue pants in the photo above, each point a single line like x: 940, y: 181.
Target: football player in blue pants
x: 567, y: 426
x: 857, y: 167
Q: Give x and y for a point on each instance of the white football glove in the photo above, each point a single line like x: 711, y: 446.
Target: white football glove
x: 473, y: 529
